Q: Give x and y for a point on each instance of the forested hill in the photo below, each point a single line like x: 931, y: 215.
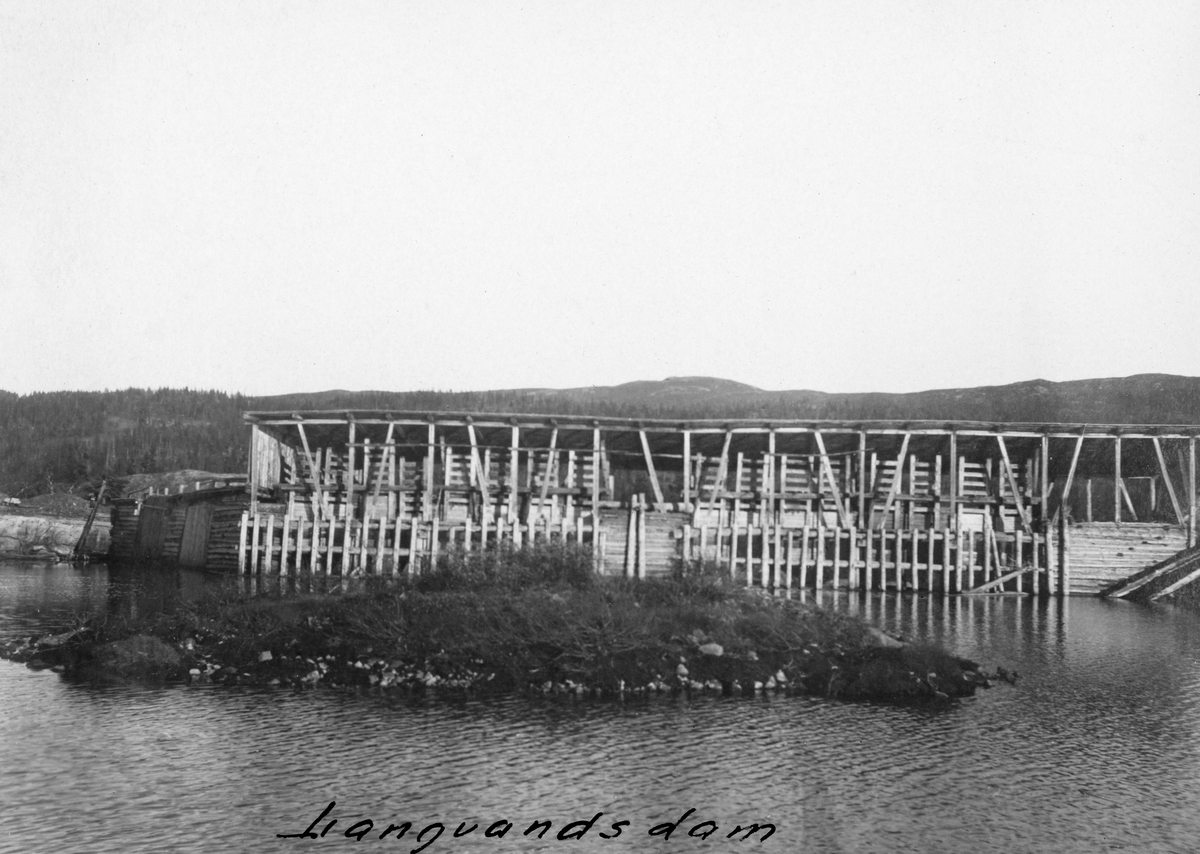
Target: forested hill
x: 66, y: 440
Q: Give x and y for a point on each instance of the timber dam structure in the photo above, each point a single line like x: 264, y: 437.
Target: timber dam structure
x: 947, y: 507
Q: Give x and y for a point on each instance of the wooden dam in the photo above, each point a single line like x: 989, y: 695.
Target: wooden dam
x: 950, y: 507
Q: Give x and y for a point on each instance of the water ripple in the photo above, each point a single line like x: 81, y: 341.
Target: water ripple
x: 1095, y: 749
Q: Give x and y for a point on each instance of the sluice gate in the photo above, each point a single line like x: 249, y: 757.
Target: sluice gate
x: 924, y: 506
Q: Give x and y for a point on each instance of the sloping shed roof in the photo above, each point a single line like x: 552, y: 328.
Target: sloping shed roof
x: 329, y: 428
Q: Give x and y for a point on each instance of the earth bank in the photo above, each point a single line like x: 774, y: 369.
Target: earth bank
x: 536, y: 620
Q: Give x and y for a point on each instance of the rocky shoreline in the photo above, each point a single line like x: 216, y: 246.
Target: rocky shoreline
x: 148, y: 659
x: 536, y: 620
x: 27, y: 534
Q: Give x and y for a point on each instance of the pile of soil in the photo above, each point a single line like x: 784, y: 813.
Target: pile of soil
x: 57, y: 504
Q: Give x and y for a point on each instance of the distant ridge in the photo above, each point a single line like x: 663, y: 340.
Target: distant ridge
x: 1139, y: 399
x: 55, y: 440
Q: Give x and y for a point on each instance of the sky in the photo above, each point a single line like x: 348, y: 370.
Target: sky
x: 885, y: 196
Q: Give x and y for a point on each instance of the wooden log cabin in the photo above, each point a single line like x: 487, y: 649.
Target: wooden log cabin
x: 951, y: 507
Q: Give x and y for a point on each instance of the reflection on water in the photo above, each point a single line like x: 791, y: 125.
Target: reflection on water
x: 1093, y: 750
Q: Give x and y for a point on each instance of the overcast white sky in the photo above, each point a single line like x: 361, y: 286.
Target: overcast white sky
x: 272, y: 197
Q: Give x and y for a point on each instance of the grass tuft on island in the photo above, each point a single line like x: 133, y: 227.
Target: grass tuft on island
x: 535, y: 619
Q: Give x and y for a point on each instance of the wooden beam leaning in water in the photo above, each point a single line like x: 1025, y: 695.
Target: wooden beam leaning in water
x: 827, y: 469
x: 1012, y: 483
x: 1001, y: 580
x: 1064, y: 502
x: 1162, y: 465
x: 897, y: 476
x: 658, y: 494
x: 315, y: 474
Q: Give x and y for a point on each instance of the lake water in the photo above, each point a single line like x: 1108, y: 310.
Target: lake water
x: 1095, y: 749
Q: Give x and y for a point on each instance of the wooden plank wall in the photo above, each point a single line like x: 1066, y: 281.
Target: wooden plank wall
x: 1103, y: 553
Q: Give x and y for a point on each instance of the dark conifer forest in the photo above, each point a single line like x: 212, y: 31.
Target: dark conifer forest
x: 67, y: 441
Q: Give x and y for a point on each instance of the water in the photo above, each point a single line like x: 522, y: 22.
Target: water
x: 1095, y: 749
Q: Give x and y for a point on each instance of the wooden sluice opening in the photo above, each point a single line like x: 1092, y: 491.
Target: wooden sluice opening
x: 950, y: 507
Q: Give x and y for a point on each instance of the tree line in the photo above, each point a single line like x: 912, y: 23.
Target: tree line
x: 66, y: 441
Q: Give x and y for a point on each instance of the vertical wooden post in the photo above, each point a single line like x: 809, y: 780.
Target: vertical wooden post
x: 631, y: 539
x: 868, y: 546
x: 790, y: 558
x: 1017, y: 560
x: 253, y: 473
x: 854, y: 581
x: 242, y: 543
x: 776, y: 556
x: 1044, y: 486
x: 804, y: 556
x: 1191, y: 492
x: 641, y: 537
x: 1087, y: 490
x: 952, y: 520
x: 916, y: 581
x: 330, y: 535
x: 1035, y: 586
x: 1064, y: 556
x: 427, y: 474
x: 433, y: 544
x: 514, y: 473
x: 820, y: 573
x: 595, y: 492
x: 687, y: 468
x: 837, y: 555
x: 1117, y: 483
x: 862, y: 479
x: 254, y: 544
x: 350, y: 472
x: 733, y: 547
x: 286, y: 541
x: 773, y: 511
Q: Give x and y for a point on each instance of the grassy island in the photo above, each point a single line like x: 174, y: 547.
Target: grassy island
x: 537, y: 620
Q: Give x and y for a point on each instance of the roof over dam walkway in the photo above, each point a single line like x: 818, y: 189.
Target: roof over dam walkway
x: 923, y: 505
